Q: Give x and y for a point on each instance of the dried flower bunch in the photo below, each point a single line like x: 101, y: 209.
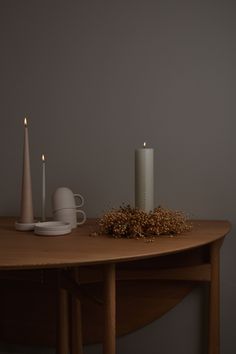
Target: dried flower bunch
x: 134, y: 223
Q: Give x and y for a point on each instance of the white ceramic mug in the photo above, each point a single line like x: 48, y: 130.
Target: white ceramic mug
x: 70, y: 215
x: 64, y: 198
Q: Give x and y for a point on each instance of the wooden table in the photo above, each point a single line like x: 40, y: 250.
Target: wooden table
x: 79, y: 258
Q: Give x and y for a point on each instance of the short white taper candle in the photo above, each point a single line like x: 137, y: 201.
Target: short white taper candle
x: 43, y: 188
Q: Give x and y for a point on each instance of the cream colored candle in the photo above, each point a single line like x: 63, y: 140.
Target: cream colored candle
x: 43, y: 188
x: 26, y: 215
x: 144, y: 178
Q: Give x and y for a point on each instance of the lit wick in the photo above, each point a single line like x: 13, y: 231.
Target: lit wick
x: 25, y: 122
x: 144, y: 144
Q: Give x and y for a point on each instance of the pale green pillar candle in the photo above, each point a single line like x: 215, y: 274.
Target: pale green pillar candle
x: 144, y: 178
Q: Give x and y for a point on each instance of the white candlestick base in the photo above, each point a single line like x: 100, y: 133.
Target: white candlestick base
x: 20, y: 226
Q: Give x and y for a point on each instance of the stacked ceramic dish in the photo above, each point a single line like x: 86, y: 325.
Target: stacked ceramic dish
x: 52, y: 228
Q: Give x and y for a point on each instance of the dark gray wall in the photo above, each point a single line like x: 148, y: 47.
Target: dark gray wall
x: 96, y: 79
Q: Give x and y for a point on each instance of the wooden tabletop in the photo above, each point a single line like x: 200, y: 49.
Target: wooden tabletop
x: 25, y: 250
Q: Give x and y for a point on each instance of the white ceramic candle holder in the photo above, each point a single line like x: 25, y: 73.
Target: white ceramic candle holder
x: 20, y: 226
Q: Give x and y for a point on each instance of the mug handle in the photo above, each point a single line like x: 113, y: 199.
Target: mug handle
x: 80, y: 198
x: 83, y: 216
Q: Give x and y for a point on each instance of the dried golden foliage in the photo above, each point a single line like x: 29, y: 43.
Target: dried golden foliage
x: 134, y: 223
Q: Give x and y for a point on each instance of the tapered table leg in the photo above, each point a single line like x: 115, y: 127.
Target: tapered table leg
x: 214, y: 299
x: 63, y: 323
x: 76, y: 321
x: 109, y: 343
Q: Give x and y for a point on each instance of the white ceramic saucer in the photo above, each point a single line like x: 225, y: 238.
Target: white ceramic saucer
x: 52, y: 233
x: 52, y: 228
x: 52, y: 225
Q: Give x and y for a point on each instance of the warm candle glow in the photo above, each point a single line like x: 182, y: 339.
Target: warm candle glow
x: 43, y: 158
x: 144, y: 144
x: 25, y: 122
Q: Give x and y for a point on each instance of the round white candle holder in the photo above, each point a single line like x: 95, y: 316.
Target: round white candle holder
x: 21, y: 226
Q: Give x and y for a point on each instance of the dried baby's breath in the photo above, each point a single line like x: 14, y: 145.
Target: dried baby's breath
x: 130, y: 222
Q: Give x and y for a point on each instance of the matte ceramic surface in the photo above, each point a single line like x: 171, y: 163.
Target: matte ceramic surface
x: 71, y: 216
x: 64, y: 198
x: 52, y: 233
x: 52, y: 226
x: 20, y: 226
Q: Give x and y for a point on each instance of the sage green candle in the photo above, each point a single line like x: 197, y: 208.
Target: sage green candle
x: 144, y: 178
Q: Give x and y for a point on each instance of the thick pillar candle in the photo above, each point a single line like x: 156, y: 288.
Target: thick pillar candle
x: 43, y: 188
x: 27, y: 215
x: 144, y: 178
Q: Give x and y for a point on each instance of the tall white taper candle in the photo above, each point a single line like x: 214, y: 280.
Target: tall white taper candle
x: 26, y: 214
x: 144, y: 178
x: 43, y: 188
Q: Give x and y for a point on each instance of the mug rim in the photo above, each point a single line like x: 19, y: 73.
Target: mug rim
x: 67, y: 208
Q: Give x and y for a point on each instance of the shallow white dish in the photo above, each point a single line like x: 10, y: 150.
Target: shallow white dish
x: 52, y: 233
x: 52, y: 226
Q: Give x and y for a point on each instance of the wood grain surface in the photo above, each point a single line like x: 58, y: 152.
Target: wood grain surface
x: 151, y: 278
x: 25, y: 250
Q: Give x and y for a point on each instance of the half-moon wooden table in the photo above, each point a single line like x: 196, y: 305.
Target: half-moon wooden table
x: 108, y: 276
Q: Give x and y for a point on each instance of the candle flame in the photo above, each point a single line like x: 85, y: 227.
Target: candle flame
x: 25, y: 122
x: 144, y: 144
x: 43, y: 158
